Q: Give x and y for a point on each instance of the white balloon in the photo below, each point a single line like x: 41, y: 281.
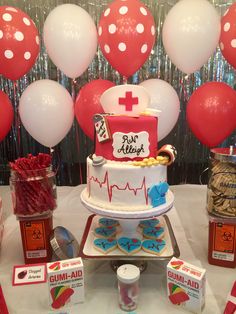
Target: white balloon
x: 191, y: 33
x: 70, y: 38
x: 47, y: 111
x: 163, y: 98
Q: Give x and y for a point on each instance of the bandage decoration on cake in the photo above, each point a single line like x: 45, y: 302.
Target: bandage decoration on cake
x: 125, y: 164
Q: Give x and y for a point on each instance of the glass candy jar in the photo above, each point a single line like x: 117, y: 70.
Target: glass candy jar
x: 221, y: 192
x: 33, y: 191
x: 34, y: 199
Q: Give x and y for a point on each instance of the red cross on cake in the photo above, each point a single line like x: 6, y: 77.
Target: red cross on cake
x: 127, y: 99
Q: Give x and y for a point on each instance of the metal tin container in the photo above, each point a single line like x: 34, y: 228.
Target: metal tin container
x: 221, y: 192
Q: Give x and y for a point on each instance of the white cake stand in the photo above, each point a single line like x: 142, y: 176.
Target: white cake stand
x: 129, y: 220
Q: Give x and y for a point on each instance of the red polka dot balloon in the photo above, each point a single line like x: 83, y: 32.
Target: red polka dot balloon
x: 126, y: 35
x: 228, y: 35
x: 19, y: 42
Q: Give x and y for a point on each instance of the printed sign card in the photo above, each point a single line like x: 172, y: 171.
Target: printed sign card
x: 29, y: 274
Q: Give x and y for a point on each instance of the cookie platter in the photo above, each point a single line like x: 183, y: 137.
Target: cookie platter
x: 89, y: 251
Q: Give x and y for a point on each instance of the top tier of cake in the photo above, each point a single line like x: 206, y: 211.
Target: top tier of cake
x: 124, y: 138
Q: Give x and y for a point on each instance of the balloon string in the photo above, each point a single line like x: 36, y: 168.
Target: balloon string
x: 125, y: 80
x: 16, y: 130
x: 73, y: 95
x: 183, y: 88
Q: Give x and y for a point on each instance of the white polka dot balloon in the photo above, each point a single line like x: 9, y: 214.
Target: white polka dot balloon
x: 126, y: 35
x: 19, y: 42
x: 228, y: 35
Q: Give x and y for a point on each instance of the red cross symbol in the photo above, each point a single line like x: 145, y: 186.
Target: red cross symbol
x: 128, y: 101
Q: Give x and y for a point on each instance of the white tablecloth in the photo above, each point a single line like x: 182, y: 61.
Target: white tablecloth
x: 190, y: 225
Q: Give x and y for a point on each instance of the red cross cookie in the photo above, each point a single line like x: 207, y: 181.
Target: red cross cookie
x: 228, y: 35
x: 19, y: 42
x: 126, y: 35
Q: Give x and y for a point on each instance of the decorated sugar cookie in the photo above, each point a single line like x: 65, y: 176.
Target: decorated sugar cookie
x: 129, y: 245
x: 153, y: 232
x: 154, y: 246
x: 105, y: 232
x: 149, y: 223
x: 108, y: 222
x: 105, y: 245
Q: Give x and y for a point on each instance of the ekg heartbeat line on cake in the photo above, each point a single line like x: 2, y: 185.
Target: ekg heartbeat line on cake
x: 105, y: 182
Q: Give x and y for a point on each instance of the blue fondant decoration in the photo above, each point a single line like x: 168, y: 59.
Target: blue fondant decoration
x: 157, y: 193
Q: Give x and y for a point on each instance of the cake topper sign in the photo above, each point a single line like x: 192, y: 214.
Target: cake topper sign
x: 130, y: 144
x: 128, y: 99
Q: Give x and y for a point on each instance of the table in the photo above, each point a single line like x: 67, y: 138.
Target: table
x: 190, y: 225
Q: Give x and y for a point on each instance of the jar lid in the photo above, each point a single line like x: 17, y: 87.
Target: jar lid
x: 128, y: 273
x: 227, y: 154
x: 63, y: 243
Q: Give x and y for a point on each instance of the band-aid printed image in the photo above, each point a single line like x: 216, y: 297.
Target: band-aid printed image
x: 60, y: 296
x: 177, y: 294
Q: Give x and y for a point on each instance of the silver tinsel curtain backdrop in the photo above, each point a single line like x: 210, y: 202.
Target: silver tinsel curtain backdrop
x: 70, y: 154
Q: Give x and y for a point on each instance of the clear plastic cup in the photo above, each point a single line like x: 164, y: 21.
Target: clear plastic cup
x: 128, y: 285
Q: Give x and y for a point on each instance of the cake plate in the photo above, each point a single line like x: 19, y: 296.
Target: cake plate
x: 129, y: 222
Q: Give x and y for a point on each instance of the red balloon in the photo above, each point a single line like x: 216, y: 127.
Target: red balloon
x: 19, y: 42
x: 126, y: 35
x: 228, y: 35
x: 6, y: 115
x: 211, y: 113
x: 87, y: 104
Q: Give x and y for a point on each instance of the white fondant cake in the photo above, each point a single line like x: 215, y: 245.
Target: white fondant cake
x: 125, y: 172
x: 122, y: 186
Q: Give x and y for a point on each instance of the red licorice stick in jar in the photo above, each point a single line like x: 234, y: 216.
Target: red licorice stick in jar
x: 33, y: 187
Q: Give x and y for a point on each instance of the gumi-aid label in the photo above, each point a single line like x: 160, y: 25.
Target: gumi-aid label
x: 186, y: 285
x: 66, y: 282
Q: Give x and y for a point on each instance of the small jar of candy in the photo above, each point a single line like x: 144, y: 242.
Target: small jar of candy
x: 33, y: 189
x: 128, y: 286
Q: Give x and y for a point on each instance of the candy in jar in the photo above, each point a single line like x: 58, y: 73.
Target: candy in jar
x: 128, y: 285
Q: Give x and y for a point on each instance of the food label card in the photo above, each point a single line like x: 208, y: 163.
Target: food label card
x: 29, y: 274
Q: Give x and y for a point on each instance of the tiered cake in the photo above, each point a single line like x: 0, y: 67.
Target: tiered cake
x: 125, y: 171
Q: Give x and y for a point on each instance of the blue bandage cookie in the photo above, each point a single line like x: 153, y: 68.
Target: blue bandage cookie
x: 108, y: 222
x: 154, y: 233
x: 154, y: 246
x: 129, y: 245
x: 149, y: 223
x: 105, y: 232
x: 105, y: 245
